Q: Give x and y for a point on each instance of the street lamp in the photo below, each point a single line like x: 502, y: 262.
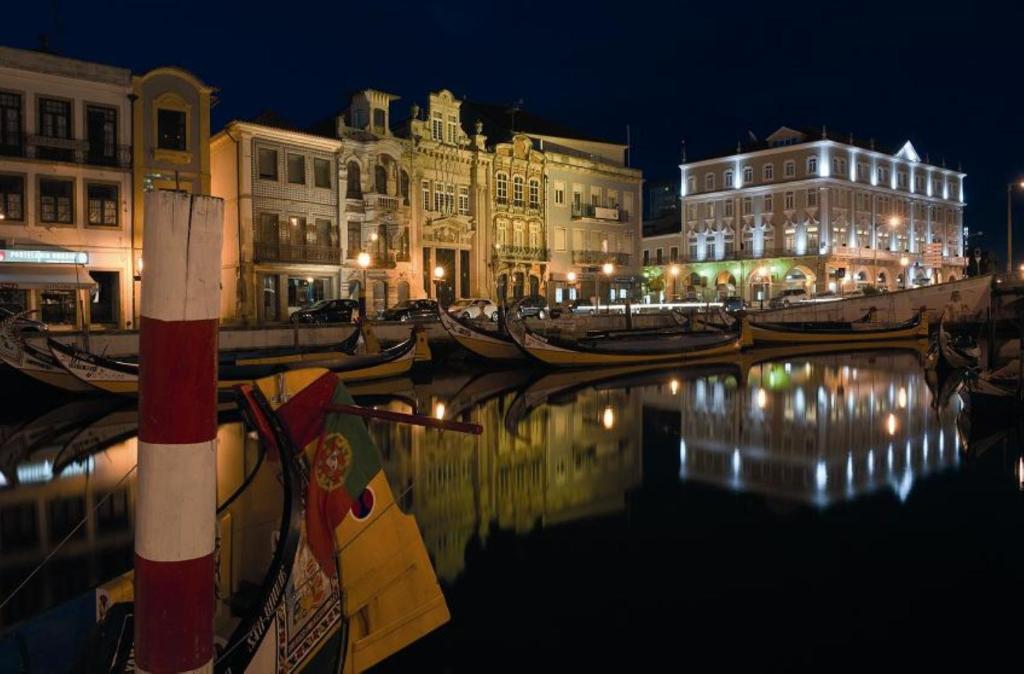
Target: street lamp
x: 438, y: 280
x: 571, y: 278
x: 607, y: 268
x: 1009, y: 225
x: 674, y: 271
x: 363, y: 260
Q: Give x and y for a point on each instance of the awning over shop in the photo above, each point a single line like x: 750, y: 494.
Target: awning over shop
x: 44, y: 276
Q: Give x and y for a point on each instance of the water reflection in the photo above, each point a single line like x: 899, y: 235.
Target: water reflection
x: 555, y: 448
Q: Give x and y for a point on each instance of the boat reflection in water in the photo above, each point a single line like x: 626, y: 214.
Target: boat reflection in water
x: 556, y: 448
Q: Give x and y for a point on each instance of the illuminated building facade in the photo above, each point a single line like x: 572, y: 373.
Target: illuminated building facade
x: 803, y: 209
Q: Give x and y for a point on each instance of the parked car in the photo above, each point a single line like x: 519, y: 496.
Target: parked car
x: 411, y: 310
x: 475, y: 309
x: 326, y: 311
x: 733, y: 304
x: 580, y: 305
x: 534, y: 306
x: 23, y: 323
x: 788, y: 297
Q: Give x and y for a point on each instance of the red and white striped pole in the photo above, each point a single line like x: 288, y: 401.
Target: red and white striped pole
x: 176, y: 506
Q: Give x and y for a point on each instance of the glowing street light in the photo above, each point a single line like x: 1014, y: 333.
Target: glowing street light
x: 571, y: 276
x: 438, y: 280
x: 608, y: 418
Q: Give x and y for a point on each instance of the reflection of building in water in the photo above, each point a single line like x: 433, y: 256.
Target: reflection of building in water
x: 817, y: 429
x: 45, y: 506
x: 570, y: 461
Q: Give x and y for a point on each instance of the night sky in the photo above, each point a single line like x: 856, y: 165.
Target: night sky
x: 945, y: 75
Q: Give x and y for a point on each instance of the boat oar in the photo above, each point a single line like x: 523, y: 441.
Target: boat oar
x: 403, y: 418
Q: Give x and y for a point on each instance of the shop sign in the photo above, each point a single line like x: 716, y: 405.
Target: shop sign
x: 44, y: 256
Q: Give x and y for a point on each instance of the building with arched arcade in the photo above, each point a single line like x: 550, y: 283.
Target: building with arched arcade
x: 805, y: 210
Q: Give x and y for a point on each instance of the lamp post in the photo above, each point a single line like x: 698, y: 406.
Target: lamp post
x: 364, y: 261
x: 1009, y: 225
x: 608, y: 268
x: 438, y: 280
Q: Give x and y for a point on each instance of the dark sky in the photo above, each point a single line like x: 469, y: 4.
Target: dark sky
x: 945, y: 75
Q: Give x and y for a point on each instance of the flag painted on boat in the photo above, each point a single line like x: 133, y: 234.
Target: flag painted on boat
x: 343, y: 459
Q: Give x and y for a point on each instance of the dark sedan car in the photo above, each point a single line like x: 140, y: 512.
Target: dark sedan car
x: 533, y: 306
x: 22, y: 323
x: 411, y: 310
x: 327, y: 311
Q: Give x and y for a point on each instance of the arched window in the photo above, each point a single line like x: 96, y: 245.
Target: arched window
x: 403, y: 186
x: 354, y: 189
x: 378, y: 119
x: 501, y: 184
x: 380, y: 179
x: 517, y: 191
x: 534, y: 194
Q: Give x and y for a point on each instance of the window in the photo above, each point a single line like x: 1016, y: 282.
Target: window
x: 709, y: 182
x: 101, y: 131
x: 919, y: 183
x: 453, y: 124
x: 534, y: 194
x: 380, y: 179
x: 326, y: 233
x: 691, y: 185
x: 463, y: 200
x: 727, y: 179
x: 170, y: 130
x: 559, y: 194
x: 812, y: 166
x: 517, y: 190
x: 501, y: 181
x: 379, y: 120
x: 769, y: 204
x: 354, y: 186
x: 883, y: 174
x: 812, y: 197
x: 673, y: 254
x: 728, y: 208
x: 268, y: 164
x: 862, y: 171
x: 425, y: 186
x: 102, y: 202
x: 789, y: 205
x: 901, y: 179
x: 748, y: 175
x: 296, y: 169
x: 58, y: 307
x: 789, y: 169
x: 10, y: 123
x: 768, y: 172
x: 403, y: 186
x: 437, y: 126
x: 577, y: 198
x: 55, y: 201
x: 355, y: 242
x: 747, y: 206
x: 595, y: 197
x: 559, y: 238
x: 322, y: 173
x: 659, y: 256
x: 691, y: 212
x: 647, y: 258
x: 54, y: 118
x: 12, y: 197
x: 709, y: 210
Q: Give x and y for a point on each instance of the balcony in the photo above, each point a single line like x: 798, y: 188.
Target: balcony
x: 524, y: 253
x: 611, y: 214
x: 382, y: 260
x: 382, y: 202
x: 286, y: 252
x: 593, y: 257
x: 66, y: 150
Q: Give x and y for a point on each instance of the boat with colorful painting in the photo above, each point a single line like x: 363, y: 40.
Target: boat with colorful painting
x: 318, y: 568
x: 490, y: 345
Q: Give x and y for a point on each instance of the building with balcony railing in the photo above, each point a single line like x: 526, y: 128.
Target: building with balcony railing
x: 80, y: 142
x: 804, y: 209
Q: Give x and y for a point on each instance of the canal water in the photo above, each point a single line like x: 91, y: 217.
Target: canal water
x: 806, y: 511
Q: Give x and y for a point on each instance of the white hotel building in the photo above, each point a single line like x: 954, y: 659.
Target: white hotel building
x: 805, y: 209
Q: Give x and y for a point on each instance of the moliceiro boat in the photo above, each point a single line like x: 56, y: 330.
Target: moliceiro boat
x: 836, y: 332
x: 121, y: 377
x: 486, y: 344
x: 643, y: 349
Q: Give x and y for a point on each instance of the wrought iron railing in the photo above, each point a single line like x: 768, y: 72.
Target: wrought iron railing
x: 285, y: 252
x: 524, y: 253
x: 599, y: 257
x: 69, y: 150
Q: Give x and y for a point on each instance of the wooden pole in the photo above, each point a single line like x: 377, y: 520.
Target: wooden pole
x: 403, y: 418
x: 176, y: 506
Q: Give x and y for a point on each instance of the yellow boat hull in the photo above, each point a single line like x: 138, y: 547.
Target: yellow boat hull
x: 763, y: 335
x: 479, y: 343
x: 561, y: 357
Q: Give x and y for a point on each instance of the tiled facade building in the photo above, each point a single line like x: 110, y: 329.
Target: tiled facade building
x: 80, y: 143
x: 806, y: 210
